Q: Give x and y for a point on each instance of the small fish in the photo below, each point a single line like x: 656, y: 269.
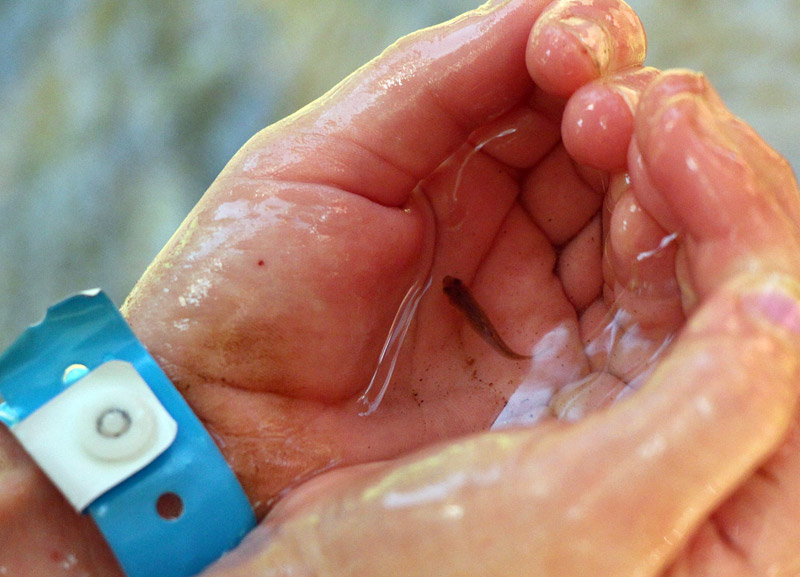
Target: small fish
x: 462, y: 299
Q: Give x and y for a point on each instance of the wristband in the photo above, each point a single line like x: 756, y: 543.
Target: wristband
x: 103, y: 421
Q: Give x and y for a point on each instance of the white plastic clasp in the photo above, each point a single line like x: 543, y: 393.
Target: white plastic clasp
x: 97, y: 433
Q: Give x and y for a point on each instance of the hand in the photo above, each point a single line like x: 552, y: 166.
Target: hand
x: 271, y: 304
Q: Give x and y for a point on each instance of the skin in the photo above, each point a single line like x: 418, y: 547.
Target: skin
x: 462, y: 299
x: 271, y: 332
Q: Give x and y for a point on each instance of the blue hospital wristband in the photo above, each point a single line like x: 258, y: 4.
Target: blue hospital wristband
x: 99, y: 416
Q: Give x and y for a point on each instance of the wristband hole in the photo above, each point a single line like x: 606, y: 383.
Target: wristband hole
x: 74, y: 372
x: 169, y: 506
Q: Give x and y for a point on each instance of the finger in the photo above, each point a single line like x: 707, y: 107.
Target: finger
x: 401, y: 115
x: 702, y: 172
x: 577, y: 41
x: 398, y: 117
x: 641, y: 291
x: 617, y: 494
x: 640, y: 261
x: 598, y: 120
x: 579, y: 266
x: 558, y: 198
x: 523, y: 135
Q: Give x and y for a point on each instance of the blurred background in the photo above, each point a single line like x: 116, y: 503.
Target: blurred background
x: 116, y: 115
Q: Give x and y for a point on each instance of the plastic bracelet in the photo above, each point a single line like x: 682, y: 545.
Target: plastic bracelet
x: 103, y: 421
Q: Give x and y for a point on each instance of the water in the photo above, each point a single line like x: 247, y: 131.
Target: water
x: 381, y: 378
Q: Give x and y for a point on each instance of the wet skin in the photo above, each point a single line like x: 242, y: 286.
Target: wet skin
x: 269, y: 308
x: 462, y: 299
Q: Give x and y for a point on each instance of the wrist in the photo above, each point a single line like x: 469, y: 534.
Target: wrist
x: 40, y: 533
x: 119, y: 441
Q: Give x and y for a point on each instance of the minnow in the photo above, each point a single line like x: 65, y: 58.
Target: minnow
x: 462, y: 299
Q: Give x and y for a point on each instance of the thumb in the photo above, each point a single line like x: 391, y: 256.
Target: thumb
x: 390, y: 123
x: 393, y: 121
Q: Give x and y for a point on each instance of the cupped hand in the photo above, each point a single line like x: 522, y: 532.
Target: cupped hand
x: 456, y: 153
x: 270, y: 306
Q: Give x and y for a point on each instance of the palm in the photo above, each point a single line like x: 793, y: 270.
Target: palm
x: 270, y: 306
x: 275, y: 315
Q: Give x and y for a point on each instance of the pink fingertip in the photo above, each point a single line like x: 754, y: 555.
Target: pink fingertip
x: 597, y: 127
x: 576, y: 41
x: 558, y: 61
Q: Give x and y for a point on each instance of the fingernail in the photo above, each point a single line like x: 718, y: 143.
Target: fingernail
x: 630, y: 85
x: 697, y: 103
x: 777, y: 303
x: 675, y: 86
x: 696, y: 82
x: 699, y: 89
x: 593, y: 37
